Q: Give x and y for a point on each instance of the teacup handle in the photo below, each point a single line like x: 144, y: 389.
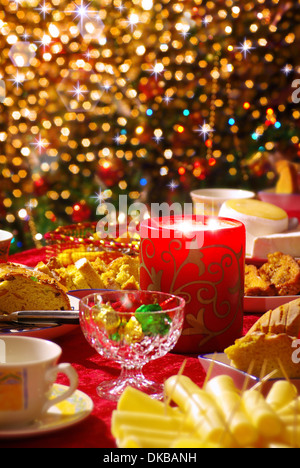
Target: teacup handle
x: 70, y: 372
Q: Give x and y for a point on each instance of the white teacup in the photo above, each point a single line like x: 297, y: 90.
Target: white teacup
x: 5, y: 241
x: 208, y: 202
x: 28, y: 369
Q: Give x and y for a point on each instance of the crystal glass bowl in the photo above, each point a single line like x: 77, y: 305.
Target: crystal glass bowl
x: 131, y: 328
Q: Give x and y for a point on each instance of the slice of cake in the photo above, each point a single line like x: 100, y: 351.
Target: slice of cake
x: 255, y: 285
x: 283, y: 271
x: 24, y: 289
x: 90, y: 275
x: 270, y: 344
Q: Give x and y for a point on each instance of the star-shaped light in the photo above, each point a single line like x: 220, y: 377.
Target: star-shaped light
x: 44, y: 9
x: 287, y: 69
x: 132, y: 21
x: 167, y: 99
x: 100, y: 197
x: 245, y: 47
x: 206, y: 20
x: 106, y: 86
x: 40, y: 143
x: 82, y: 11
x: 120, y: 7
x: 18, y: 79
x: 156, y: 69
x: 204, y: 130
x: 173, y: 185
x: 78, y: 91
x: 45, y: 41
x: 17, y: 3
x: 88, y: 55
x: 158, y: 138
x: 117, y: 139
x: 25, y: 36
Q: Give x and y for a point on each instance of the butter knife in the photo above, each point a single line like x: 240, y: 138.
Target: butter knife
x: 70, y: 317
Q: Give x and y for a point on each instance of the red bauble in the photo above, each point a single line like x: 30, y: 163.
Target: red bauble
x: 81, y: 212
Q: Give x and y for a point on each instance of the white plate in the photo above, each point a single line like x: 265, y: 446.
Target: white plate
x: 43, y: 332
x: 257, y: 304
x: 65, y: 414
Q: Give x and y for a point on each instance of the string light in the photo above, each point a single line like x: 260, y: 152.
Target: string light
x: 163, y: 85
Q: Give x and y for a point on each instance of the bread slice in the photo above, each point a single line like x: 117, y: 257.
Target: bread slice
x: 22, y: 288
x: 268, y: 345
x: 283, y: 319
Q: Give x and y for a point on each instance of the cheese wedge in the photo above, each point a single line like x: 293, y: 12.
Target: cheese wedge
x: 287, y: 242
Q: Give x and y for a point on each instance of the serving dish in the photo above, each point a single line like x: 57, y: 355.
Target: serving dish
x: 218, y: 364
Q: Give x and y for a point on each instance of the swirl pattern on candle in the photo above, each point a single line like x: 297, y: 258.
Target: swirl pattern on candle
x: 210, y: 280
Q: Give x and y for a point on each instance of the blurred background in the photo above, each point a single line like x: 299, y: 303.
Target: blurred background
x: 145, y: 98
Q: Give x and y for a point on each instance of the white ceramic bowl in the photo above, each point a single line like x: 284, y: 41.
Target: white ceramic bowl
x: 5, y: 241
x: 209, y: 201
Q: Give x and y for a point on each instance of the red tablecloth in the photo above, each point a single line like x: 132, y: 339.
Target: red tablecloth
x: 94, y: 432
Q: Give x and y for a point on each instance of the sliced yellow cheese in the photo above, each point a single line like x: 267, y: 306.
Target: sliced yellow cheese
x: 229, y: 400
x: 151, y: 421
x: 136, y: 400
x: 264, y: 419
x: 148, y: 438
x: 281, y: 394
x: 200, y: 407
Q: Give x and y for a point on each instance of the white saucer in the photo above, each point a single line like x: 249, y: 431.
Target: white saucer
x: 65, y: 414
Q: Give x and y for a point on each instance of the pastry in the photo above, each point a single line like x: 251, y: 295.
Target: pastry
x: 268, y: 345
x: 283, y: 272
x: 255, y: 285
x: 279, y: 276
x: 24, y: 289
x: 90, y: 275
x: 107, y: 271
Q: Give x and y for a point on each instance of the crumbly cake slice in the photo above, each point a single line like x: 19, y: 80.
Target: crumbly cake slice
x: 24, y: 289
x: 255, y: 285
x: 270, y: 338
x: 284, y: 272
x: 90, y: 275
x: 258, y: 353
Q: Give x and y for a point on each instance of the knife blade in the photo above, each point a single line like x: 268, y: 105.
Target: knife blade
x: 70, y: 317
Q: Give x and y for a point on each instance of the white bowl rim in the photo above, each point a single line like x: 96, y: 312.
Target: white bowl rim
x: 221, y: 193
x: 6, y: 235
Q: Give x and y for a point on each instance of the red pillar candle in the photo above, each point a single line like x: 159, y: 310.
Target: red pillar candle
x: 201, y: 259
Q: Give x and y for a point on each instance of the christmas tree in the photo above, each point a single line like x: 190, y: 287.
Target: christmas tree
x: 145, y: 98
